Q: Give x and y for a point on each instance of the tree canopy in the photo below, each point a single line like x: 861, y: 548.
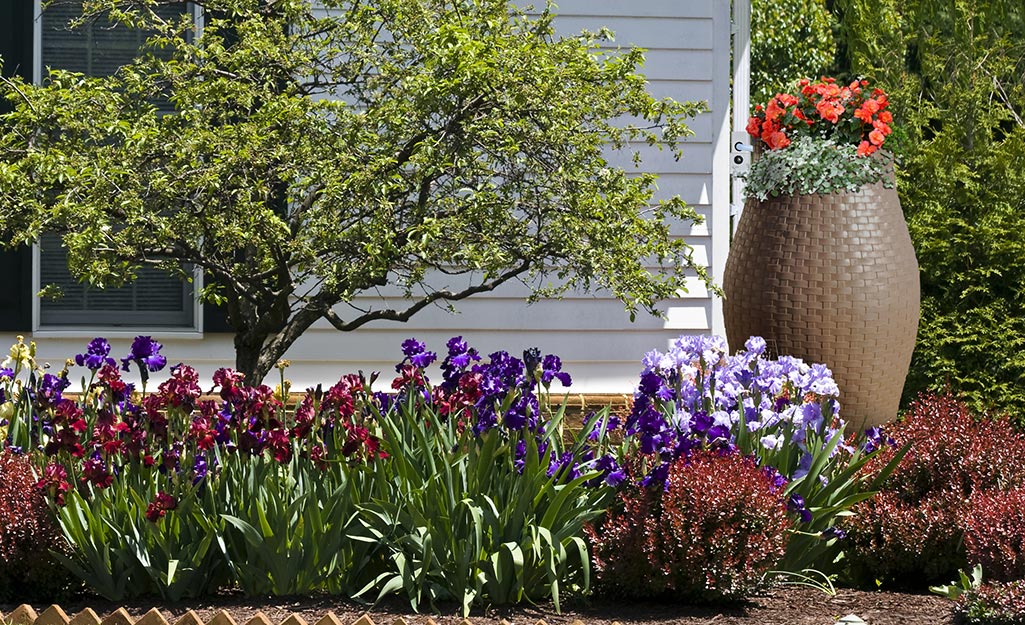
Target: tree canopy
x: 302, y: 157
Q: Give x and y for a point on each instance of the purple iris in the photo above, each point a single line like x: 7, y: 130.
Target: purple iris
x: 417, y: 354
x: 551, y: 369
x: 876, y: 439
x: 460, y: 355
x: 49, y: 392
x: 531, y: 359
x: 777, y: 478
x: 612, y: 473
x: 199, y: 469
x: 563, y: 467
x: 97, y: 354
x: 834, y: 532
x: 796, y: 505
x: 145, y: 353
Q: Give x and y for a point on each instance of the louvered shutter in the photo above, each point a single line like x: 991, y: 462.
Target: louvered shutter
x: 154, y: 298
x: 16, y: 265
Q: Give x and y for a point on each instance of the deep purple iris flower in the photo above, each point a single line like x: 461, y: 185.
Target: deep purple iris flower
x: 417, y: 354
x: 796, y: 505
x: 97, y: 354
x: 199, y: 469
x: 49, y: 392
x: 531, y: 358
x: 145, y: 353
x: 551, y: 369
x: 834, y: 532
x: 460, y: 355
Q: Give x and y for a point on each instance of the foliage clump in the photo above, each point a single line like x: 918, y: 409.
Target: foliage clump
x: 27, y: 534
x: 995, y: 533
x: 810, y: 165
x: 948, y: 484
x: 720, y: 524
x: 465, y: 490
x: 790, y: 39
x: 993, y: 603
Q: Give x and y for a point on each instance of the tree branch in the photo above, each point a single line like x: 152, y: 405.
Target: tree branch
x: 405, y: 315
x: 10, y: 83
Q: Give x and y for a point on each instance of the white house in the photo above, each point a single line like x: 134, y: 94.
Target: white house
x: 688, y: 58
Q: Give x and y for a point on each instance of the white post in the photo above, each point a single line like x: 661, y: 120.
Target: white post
x: 740, y: 159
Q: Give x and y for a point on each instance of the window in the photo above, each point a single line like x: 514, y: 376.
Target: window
x: 155, y: 299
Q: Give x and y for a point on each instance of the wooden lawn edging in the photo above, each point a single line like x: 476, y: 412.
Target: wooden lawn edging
x: 54, y: 615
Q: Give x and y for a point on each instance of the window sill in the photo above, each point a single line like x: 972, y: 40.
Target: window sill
x: 88, y: 333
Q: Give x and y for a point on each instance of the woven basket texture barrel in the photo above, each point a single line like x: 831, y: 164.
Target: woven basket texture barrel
x: 830, y: 279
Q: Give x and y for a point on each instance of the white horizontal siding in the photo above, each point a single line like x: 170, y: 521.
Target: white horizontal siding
x: 687, y: 58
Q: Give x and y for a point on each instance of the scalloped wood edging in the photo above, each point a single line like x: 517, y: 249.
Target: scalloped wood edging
x: 54, y: 615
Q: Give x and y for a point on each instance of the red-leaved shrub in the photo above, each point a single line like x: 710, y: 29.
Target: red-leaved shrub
x: 995, y: 534
x: 714, y: 532
x: 27, y: 534
x: 913, y: 531
x: 993, y: 604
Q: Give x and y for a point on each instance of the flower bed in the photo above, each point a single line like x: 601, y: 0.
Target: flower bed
x: 470, y: 490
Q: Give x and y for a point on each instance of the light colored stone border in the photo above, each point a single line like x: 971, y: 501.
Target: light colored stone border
x: 54, y: 615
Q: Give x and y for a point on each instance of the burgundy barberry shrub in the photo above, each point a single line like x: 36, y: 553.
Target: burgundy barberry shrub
x: 27, y: 534
x: 993, y: 604
x: 995, y: 534
x: 714, y: 532
x: 913, y: 531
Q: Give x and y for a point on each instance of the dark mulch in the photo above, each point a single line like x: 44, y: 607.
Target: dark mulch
x: 780, y: 606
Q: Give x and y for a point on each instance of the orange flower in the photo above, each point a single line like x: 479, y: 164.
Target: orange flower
x: 829, y: 109
x: 775, y: 108
x: 754, y: 126
x: 886, y: 117
x: 777, y: 140
x: 865, y: 148
x: 881, y: 127
x: 787, y: 99
x: 876, y: 137
x: 868, y: 108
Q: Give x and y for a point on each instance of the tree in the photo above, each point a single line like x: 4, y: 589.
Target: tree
x: 790, y: 40
x: 444, y: 146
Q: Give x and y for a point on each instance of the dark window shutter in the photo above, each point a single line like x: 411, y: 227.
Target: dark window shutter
x: 16, y: 265
x: 215, y: 318
x: 154, y: 298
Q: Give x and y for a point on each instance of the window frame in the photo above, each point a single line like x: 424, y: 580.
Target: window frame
x: 193, y: 330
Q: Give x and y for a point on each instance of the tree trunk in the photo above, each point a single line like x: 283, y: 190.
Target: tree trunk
x: 248, y: 352
x: 257, y: 351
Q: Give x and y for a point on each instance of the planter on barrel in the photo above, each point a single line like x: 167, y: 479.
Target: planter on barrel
x: 830, y: 278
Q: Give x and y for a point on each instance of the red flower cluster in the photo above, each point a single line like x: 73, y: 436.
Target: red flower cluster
x: 54, y: 483
x: 161, y: 505
x: 824, y: 109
